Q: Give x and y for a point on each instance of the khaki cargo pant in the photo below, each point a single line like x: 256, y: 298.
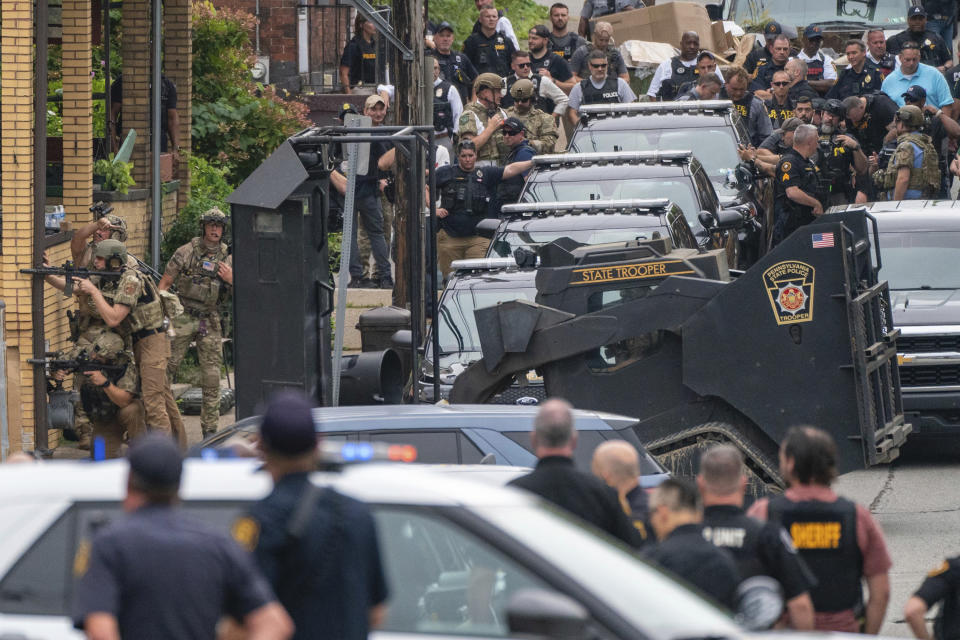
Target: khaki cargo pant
x: 450, y: 248
x: 210, y: 356
x: 128, y: 420
x: 152, y: 354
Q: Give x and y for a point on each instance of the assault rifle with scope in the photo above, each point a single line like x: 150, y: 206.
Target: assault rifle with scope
x: 80, y: 364
x: 69, y: 272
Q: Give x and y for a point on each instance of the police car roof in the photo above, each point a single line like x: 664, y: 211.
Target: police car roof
x: 598, y: 221
x: 667, y: 121
x: 604, y: 172
x: 912, y: 215
x: 513, y: 277
x: 572, y: 207
x: 679, y: 107
x: 613, y: 157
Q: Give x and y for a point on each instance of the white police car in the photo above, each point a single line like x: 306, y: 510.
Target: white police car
x: 436, y: 529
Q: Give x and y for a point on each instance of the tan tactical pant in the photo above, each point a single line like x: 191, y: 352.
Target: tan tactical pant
x: 210, y: 356
x: 128, y: 420
x: 152, y: 354
x: 364, y: 242
x: 82, y: 425
x: 450, y: 248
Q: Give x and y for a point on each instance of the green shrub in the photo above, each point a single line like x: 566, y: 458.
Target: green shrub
x: 116, y: 175
x: 523, y: 14
x: 208, y: 188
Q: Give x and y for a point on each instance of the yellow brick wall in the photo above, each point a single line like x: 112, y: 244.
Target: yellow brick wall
x: 178, y: 64
x: 16, y: 201
x: 77, y: 107
x: 136, y: 83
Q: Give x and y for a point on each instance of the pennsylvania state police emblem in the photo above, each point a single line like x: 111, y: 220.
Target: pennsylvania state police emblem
x: 790, y: 289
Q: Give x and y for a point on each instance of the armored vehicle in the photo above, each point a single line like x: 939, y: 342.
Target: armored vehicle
x: 805, y: 336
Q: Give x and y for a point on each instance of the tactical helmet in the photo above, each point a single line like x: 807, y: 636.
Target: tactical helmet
x: 522, y: 89
x: 910, y: 115
x: 487, y: 81
x: 120, y: 233
x: 835, y: 107
x: 112, y: 251
x: 107, y: 345
x: 213, y: 215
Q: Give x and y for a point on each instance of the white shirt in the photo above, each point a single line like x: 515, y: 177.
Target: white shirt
x: 665, y: 72
x: 505, y: 27
x: 829, y: 73
x: 456, y: 104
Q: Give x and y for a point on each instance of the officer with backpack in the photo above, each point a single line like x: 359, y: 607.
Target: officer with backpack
x: 913, y: 172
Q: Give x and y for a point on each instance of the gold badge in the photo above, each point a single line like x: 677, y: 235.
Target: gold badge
x: 787, y: 165
x: 866, y: 80
x: 785, y: 178
x: 246, y: 531
x: 81, y: 561
x: 789, y: 286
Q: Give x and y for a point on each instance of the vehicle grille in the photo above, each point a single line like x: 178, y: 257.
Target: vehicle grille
x: 515, y: 392
x: 927, y: 344
x: 929, y: 376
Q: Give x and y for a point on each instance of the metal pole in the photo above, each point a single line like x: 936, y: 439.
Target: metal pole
x: 432, y: 266
x: 343, y: 280
x: 40, y: 443
x: 4, y: 426
x: 413, y: 259
x: 157, y: 218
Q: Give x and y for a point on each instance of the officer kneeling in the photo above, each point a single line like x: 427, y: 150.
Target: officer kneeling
x: 796, y: 184
x: 913, y: 172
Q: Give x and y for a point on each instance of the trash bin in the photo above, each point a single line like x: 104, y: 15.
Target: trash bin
x: 377, y: 327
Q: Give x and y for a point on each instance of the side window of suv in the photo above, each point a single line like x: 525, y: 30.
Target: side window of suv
x: 433, y: 447
x: 707, y: 194
x: 680, y: 231
x: 39, y: 581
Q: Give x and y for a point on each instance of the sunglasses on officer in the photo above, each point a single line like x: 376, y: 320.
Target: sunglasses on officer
x: 779, y: 84
x: 523, y: 64
x: 522, y: 99
x: 598, y: 66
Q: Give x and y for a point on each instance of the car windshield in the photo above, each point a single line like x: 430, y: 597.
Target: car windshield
x: 920, y: 259
x: 715, y: 148
x: 542, y: 189
x: 504, y: 244
x: 791, y: 12
x: 458, y: 327
x: 643, y: 595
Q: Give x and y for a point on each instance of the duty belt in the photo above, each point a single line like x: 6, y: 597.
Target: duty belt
x: 143, y: 333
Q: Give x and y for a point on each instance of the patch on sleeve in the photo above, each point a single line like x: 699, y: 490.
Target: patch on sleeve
x: 81, y: 561
x: 130, y: 288
x: 943, y: 568
x: 246, y: 531
x: 786, y: 166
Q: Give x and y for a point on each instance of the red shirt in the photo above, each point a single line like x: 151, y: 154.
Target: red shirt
x: 873, y: 548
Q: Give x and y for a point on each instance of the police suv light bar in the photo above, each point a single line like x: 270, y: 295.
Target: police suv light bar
x: 483, y: 264
x: 681, y: 106
x: 612, y: 157
x: 610, y: 206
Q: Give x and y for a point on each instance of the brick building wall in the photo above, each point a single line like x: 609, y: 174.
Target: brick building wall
x: 178, y: 65
x: 278, y: 37
x: 135, y: 23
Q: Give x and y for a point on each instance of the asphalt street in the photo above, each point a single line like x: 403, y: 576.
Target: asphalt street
x: 916, y: 500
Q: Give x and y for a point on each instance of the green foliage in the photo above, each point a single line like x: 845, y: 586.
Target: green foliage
x: 116, y: 175
x: 523, y: 14
x: 237, y: 123
x: 208, y: 188
x: 334, y: 242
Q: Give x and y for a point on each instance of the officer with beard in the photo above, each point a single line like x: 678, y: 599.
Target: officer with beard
x: 839, y: 157
x: 795, y: 185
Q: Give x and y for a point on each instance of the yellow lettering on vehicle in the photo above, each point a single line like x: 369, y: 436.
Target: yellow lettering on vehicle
x: 815, y: 535
x: 640, y: 271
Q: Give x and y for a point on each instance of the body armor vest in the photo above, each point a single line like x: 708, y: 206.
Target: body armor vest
x: 197, y: 283
x: 738, y: 534
x: 539, y: 101
x: 925, y: 178
x: 466, y: 198
x: 679, y: 75
x: 743, y: 105
x: 887, y: 64
x: 442, y: 113
x: 609, y: 92
x: 825, y: 534
x: 815, y: 67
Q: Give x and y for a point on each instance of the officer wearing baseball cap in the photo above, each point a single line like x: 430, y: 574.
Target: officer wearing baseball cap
x: 763, y: 56
x: 157, y: 573
x: 317, y: 547
x: 933, y: 50
x: 913, y: 172
x: 820, y: 71
x: 514, y: 135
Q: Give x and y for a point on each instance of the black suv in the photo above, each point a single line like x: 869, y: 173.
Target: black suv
x: 531, y: 225
x: 919, y: 252
x: 628, y: 175
x: 711, y: 128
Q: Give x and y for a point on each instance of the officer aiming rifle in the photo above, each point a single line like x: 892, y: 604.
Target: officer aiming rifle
x: 69, y: 272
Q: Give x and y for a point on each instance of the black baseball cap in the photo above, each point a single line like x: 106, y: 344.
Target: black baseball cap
x: 444, y: 25
x: 706, y: 54
x: 346, y: 108
x: 287, y: 426
x: 915, y: 93
x: 540, y: 30
x: 916, y: 10
x: 156, y: 461
x: 812, y: 31
x: 773, y: 28
x: 513, y: 126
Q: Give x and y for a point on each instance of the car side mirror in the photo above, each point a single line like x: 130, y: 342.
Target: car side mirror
x: 487, y: 227
x: 707, y: 219
x: 744, y: 175
x: 539, y: 613
x: 728, y: 219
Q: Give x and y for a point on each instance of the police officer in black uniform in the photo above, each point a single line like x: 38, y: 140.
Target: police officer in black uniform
x: 839, y: 157
x: 795, y: 185
x: 877, y: 53
x: 779, y: 56
x: 860, y: 78
x: 358, y: 64
x: 455, y: 66
x: 447, y: 108
x: 317, y: 547
x: 933, y: 50
x: 675, y: 514
x: 489, y: 50
x: 870, y: 119
x: 760, y: 549
x: 157, y: 574
x: 942, y: 585
x: 762, y: 55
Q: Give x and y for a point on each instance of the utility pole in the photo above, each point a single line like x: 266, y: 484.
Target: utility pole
x: 411, y: 89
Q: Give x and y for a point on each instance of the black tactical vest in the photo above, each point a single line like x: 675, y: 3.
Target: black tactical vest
x: 467, y: 199
x: 609, y: 92
x: 887, y: 64
x: 834, y: 161
x: 451, y: 66
x: 442, y: 113
x: 679, y: 75
x: 731, y: 529
x: 815, y: 67
x: 539, y: 101
x: 825, y: 534
x: 743, y: 106
x: 564, y: 46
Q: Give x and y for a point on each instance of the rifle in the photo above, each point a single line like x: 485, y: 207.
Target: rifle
x: 69, y: 272
x: 80, y: 364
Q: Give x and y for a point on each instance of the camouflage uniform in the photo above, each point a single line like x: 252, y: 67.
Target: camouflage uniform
x: 193, y: 268
x: 542, y: 133
x: 143, y: 328
x: 925, y: 180
x: 472, y: 122
x: 110, y: 422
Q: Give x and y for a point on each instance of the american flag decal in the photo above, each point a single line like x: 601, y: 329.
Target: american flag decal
x: 822, y: 240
